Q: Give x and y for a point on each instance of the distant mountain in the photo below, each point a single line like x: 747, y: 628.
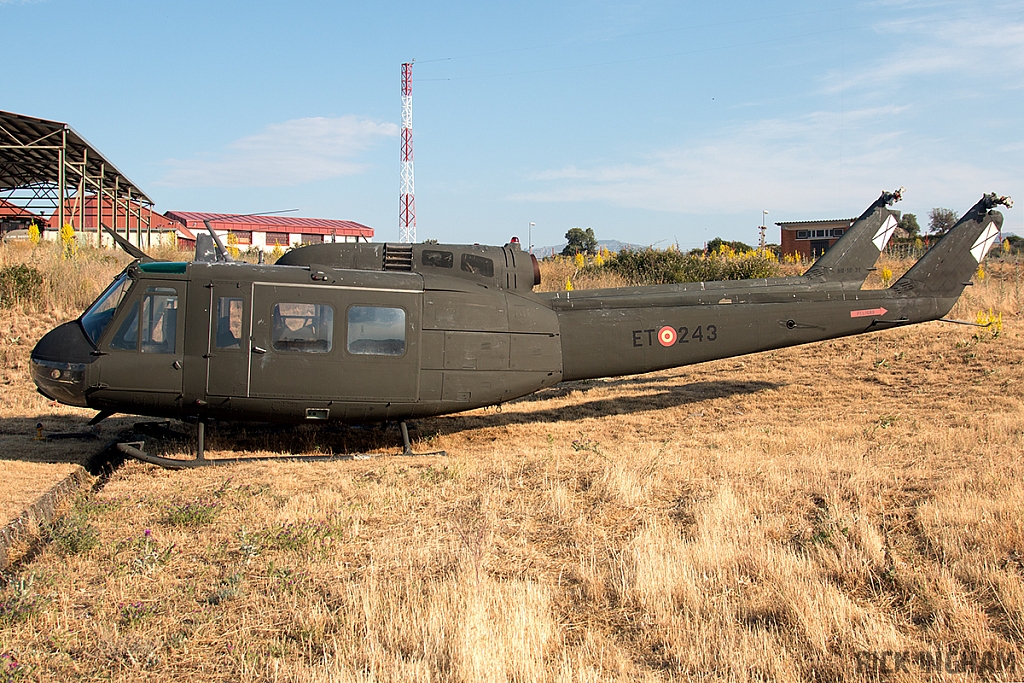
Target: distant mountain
x: 610, y: 245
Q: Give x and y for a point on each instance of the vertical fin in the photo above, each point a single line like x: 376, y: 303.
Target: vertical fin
x: 948, y: 266
x: 852, y: 257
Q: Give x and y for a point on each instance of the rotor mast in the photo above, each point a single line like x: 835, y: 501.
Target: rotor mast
x: 407, y: 201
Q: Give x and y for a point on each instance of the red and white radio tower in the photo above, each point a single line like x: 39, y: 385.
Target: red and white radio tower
x: 407, y: 202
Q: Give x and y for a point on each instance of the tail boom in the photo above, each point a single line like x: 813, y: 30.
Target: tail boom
x: 632, y: 340
x: 633, y: 330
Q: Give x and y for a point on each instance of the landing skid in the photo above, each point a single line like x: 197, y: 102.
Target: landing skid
x: 133, y: 449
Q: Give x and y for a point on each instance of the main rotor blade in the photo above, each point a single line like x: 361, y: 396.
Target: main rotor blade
x: 128, y: 246
x: 222, y: 253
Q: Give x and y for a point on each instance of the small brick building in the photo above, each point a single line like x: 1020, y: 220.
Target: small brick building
x: 811, y: 239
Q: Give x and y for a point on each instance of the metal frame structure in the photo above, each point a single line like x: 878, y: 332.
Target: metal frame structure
x: 51, y: 171
x: 407, y: 201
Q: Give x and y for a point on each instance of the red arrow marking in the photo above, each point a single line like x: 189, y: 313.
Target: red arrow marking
x: 868, y: 312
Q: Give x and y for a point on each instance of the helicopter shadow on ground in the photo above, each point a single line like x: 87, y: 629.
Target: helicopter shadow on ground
x: 69, y: 439
x: 177, y: 439
x: 338, y: 439
x: 672, y: 397
x: 635, y: 382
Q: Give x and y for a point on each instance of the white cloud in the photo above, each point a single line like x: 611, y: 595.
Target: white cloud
x: 991, y: 53
x: 821, y: 163
x: 289, y: 153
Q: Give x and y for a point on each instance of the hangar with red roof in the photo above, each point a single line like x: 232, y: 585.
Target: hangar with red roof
x: 51, y: 176
x: 268, y: 232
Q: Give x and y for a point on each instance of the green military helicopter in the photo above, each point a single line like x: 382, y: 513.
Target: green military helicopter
x: 361, y: 333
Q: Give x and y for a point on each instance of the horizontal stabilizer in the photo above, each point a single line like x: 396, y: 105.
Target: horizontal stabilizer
x: 852, y: 257
x: 948, y: 266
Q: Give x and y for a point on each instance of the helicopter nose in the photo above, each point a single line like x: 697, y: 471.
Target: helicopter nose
x: 59, y: 364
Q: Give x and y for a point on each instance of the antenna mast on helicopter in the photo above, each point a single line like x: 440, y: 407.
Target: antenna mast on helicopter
x: 407, y: 202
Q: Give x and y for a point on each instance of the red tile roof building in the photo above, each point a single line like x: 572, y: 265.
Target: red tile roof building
x: 14, y: 217
x: 268, y: 232
x: 142, y: 226
x: 8, y: 210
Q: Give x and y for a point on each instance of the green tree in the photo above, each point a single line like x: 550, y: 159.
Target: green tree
x: 716, y: 245
x: 941, y: 220
x: 908, y: 222
x: 580, y: 241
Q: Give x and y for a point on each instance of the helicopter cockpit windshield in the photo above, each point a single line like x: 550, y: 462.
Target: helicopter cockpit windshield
x: 96, y: 319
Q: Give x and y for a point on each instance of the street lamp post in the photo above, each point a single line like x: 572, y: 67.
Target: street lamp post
x: 764, y: 213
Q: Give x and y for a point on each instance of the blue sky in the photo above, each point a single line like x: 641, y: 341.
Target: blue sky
x: 651, y: 122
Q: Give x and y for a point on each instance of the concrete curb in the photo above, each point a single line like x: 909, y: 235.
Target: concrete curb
x: 40, y: 512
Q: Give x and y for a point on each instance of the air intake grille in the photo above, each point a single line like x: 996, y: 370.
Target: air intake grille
x: 397, y: 256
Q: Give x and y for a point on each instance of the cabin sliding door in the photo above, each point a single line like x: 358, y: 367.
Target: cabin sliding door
x: 319, y: 342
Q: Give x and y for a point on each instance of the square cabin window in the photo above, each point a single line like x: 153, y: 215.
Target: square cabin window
x: 303, y: 328
x: 376, y: 331
x: 437, y: 259
x: 803, y: 234
x: 478, y: 265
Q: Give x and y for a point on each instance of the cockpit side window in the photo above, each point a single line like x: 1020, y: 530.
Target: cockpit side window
x: 156, y: 329
x: 127, y: 337
x: 159, y: 320
x: 96, y: 319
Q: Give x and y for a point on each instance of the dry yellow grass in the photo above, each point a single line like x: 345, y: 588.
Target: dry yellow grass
x: 25, y: 482
x: 779, y: 516
x: 555, y: 272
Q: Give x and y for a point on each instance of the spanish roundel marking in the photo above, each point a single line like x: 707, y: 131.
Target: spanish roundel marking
x: 667, y: 336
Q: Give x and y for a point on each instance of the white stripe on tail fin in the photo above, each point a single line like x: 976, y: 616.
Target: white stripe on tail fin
x: 984, y: 242
x: 886, y: 231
